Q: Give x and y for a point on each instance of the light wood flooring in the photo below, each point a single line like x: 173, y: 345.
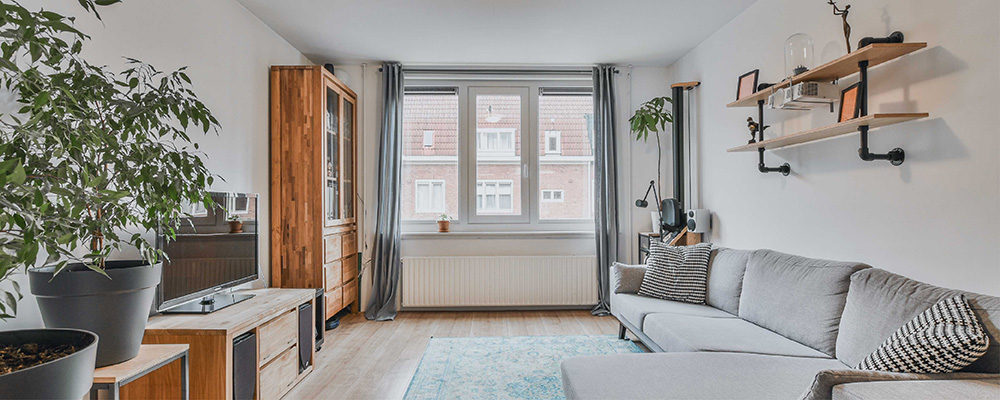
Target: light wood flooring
x: 363, y: 359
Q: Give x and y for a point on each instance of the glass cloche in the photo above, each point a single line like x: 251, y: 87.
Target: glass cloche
x: 798, y: 54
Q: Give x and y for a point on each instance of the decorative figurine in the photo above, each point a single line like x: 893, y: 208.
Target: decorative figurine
x: 754, y: 127
x: 843, y: 14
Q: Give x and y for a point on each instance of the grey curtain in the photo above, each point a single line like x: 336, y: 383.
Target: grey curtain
x: 386, y: 264
x: 606, y: 173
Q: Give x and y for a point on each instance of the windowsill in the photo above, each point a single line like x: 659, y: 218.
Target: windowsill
x: 499, y: 235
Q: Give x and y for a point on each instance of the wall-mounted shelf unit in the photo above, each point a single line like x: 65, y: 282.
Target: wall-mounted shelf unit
x: 875, y: 54
x: 843, y: 128
x: 856, y: 62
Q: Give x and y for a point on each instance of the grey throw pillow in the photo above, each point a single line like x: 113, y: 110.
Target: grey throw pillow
x: 945, y: 338
x: 678, y: 273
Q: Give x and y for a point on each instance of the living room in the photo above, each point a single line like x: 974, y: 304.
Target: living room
x: 435, y: 199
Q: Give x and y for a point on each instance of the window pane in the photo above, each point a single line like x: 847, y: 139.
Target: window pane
x: 498, y: 158
x: 430, y: 154
x: 566, y: 168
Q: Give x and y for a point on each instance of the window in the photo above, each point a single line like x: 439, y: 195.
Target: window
x: 429, y: 196
x: 552, y: 196
x: 428, y: 138
x: 494, y: 140
x: 552, y: 142
x: 430, y: 173
x: 566, y: 117
x: 499, y: 121
x: 495, y: 197
x: 497, y: 155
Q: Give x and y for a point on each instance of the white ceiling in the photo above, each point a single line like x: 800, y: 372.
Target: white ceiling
x: 513, y: 32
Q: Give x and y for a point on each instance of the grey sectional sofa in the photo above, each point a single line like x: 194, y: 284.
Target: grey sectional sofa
x: 775, y: 326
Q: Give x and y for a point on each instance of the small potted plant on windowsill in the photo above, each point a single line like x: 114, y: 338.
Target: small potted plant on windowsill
x: 235, y: 224
x: 444, y: 223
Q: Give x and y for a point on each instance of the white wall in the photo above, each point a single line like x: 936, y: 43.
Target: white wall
x: 228, y: 52
x: 937, y: 217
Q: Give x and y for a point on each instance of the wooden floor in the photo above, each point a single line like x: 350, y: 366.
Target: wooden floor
x: 363, y: 359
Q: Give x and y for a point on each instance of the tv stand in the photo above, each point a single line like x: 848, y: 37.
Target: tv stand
x: 208, y: 304
x: 273, y: 320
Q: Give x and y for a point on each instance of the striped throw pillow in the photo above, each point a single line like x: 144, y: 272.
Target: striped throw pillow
x: 945, y: 338
x: 677, y: 273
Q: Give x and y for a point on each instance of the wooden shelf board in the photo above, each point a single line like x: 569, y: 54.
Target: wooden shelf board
x: 843, y: 128
x: 847, y: 65
x: 149, y: 356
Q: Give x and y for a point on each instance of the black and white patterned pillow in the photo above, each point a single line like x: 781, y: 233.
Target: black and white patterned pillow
x: 677, y: 273
x: 945, y: 338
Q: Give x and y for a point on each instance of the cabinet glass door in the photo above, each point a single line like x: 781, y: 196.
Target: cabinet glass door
x: 349, y: 136
x: 332, y: 137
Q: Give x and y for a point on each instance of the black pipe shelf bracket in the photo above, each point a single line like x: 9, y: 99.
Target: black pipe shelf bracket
x: 784, y: 169
x: 895, y: 156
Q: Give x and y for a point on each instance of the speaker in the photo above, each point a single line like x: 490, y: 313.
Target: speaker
x: 245, y: 366
x: 699, y: 220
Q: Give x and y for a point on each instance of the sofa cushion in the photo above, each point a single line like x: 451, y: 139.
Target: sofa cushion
x: 725, y: 278
x: 686, y: 333
x: 626, y: 278
x: 678, y: 273
x: 917, y: 390
x: 690, y: 376
x: 800, y: 298
x: 634, y: 308
x: 880, y: 302
x: 945, y: 338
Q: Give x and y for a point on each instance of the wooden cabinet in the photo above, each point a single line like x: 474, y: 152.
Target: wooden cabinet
x: 313, y: 184
x: 272, y: 315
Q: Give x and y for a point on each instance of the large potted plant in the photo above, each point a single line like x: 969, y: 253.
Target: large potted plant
x: 652, y: 116
x: 92, y: 162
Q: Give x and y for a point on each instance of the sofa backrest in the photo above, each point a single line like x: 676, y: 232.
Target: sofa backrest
x: 800, y: 298
x: 880, y: 302
x: 725, y: 278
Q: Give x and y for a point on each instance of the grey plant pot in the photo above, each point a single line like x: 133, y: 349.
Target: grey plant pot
x: 115, y: 309
x: 69, y: 377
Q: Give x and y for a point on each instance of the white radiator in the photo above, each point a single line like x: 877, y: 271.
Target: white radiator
x: 499, y: 281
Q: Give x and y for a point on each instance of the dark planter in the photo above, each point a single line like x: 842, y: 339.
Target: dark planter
x: 115, y: 309
x: 69, y: 377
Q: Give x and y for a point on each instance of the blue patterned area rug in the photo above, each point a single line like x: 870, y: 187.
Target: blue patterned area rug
x: 520, y: 367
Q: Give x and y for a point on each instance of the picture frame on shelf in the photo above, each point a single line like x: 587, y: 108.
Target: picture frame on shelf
x: 850, y: 106
x: 747, y: 84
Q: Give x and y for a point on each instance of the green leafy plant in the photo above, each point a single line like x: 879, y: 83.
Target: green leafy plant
x: 93, y: 159
x: 652, y: 116
x: 444, y: 217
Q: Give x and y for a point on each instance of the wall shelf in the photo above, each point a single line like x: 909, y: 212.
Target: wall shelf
x: 875, y: 54
x: 843, y: 128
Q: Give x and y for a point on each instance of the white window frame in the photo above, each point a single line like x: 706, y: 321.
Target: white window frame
x: 496, y: 183
x: 428, y: 138
x: 499, y: 156
x: 552, y: 196
x: 530, y: 157
x: 482, y: 139
x: 558, y: 136
x: 433, y: 208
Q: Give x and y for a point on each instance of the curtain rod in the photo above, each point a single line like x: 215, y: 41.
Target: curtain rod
x: 497, y: 71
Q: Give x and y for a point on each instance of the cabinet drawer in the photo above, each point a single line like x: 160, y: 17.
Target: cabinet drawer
x: 350, y: 268
x: 334, y: 275
x: 350, y: 292
x: 350, y: 244
x: 278, y: 376
x: 276, y: 335
x: 334, y: 301
x: 332, y: 248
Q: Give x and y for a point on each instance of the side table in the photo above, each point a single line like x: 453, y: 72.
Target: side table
x: 151, y: 357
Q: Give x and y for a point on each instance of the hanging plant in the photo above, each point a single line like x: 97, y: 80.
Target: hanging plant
x: 652, y: 117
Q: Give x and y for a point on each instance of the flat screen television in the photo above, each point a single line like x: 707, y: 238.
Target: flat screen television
x: 211, y: 253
